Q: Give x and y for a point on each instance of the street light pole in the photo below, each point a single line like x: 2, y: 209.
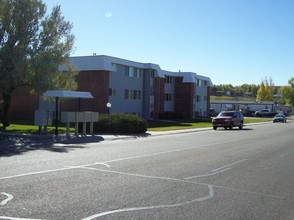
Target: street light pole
x: 108, y: 105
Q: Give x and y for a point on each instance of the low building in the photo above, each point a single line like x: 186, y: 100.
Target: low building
x: 248, y: 107
x: 131, y: 87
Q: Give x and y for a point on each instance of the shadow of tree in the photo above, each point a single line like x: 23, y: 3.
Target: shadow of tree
x: 16, y: 145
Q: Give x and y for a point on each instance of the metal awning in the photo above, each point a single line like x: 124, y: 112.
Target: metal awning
x: 67, y: 94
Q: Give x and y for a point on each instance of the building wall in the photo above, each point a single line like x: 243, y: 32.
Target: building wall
x: 123, y: 81
x: 158, y: 96
x: 201, y: 104
x: 148, y: 96
x: 169, y: 94
x: 23, y: 104
x: 184, y: 95
x: 95, y: 82
x: 106, y: 79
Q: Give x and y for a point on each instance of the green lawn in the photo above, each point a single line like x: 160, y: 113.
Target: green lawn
x: 231, y: 98
x: 27, y: 127
x: 188, y: 124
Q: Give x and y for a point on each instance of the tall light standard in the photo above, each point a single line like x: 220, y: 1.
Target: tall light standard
x: 108, y: 105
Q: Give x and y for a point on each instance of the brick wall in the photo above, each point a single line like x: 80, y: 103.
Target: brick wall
x: 95, y: 82
x: 184, y: 95
x: 23, y: 104
x: 158, y: 96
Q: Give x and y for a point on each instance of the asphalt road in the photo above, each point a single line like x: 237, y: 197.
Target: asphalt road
x: 222, y: 174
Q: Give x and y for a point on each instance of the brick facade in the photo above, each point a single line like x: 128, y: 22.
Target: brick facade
x: 23, y: 104
x: 98, y: 73
x: 158, y: 96
x: 184, y: 96
x: 95, y: 82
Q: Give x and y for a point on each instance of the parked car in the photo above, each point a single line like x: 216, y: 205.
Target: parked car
x: 228, y: 119
x: 212, y: 112
x: 265, y: 113
x: 280, y: 118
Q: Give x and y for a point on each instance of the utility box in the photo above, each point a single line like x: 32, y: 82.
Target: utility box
x: 43, y: 118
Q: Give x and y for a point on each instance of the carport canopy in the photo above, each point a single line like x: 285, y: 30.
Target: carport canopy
x: 65, y: 94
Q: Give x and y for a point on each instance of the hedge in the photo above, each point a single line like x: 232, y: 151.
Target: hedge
x: 120, y: 124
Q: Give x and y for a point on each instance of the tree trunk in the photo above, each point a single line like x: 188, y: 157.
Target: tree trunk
x: 5, y: 108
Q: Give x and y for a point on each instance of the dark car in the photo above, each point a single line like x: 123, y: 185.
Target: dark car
x: 228, y: 119
x: 280, y: 118
x: 212, y: 112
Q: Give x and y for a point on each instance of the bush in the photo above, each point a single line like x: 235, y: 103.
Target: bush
x: 121, y: 124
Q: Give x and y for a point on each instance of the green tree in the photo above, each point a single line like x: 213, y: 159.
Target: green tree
x: 287, y: 92
x: 265, y: 91
x: 33, y: 46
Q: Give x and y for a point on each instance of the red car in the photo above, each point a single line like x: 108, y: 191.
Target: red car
x: 228, y: 119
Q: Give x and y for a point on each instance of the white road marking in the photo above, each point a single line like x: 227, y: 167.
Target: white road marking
x: 141, y: 175
x: 208, y: 174
x: 217, y: 170
x: 229, y: 165
x: 209, y: 196
x: 109, y: 161
x: 34, y: 173
x: 104, y: 164
x: 11, y: 218
x: 9, y: 197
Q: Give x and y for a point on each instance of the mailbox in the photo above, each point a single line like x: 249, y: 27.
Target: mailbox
x: 95, y: 117
x: 87, y: 116
x: 79, y: 117
x: 67, y: 117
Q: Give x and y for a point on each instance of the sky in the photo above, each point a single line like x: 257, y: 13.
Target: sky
x: 230, y: 41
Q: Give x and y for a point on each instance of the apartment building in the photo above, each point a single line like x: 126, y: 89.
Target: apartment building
x: 143, y: 89
x: 131, y: 87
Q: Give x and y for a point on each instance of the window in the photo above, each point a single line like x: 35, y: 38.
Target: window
x: 127, y: 69
x: 198, y: 98
x: 138, y: 73
x: 152, y: 75
x: 133, y: 72
x: 112, y: 92
x: 199, y: 82
x: 151, y: 90
x: 132, y: 94
x: 169, y: 79
x: 114, y: 66
x: 126, y: 94
x: 168, y: 97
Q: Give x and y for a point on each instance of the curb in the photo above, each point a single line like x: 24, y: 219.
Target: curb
x: 73, y: 138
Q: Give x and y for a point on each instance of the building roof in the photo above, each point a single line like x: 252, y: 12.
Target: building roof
x: 241, y: 102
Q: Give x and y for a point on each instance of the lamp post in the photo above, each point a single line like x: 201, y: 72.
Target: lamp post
x: 108, y: 105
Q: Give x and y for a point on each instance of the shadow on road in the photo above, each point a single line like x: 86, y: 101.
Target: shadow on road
x: 15, y: 145
x: 235, y: 129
